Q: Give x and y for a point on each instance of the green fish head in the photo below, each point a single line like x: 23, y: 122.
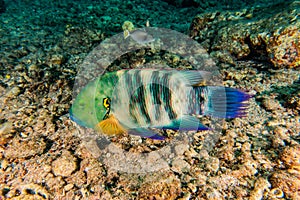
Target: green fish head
x: 88, y: 109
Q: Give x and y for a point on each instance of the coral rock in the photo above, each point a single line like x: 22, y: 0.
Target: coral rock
x: 268, y: 34
x: 65, y: 165
x: 167, y: 186
x: 291, y: 157
x: 287, y: 182
x: 260, y: 186
x: 25, y: 149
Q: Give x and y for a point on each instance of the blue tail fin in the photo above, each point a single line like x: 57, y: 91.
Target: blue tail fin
x: 224, y: 102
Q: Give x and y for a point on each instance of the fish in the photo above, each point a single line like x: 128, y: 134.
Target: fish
x: 134, y: 101
x: 140, y: 36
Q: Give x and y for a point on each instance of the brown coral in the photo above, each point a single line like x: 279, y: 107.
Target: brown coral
x: 291, y: 157
x: 288, y: 183
x: 25, y: 148
x: 164, y: 186
x: 284, y: 48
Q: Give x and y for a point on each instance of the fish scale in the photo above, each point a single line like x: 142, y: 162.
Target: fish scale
x: 149, y: 97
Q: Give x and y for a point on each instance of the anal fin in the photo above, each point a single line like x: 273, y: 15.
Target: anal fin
x: 185, y: 123
x: 143, y: 132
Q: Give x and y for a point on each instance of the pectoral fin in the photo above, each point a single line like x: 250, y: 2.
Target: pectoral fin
x: 110, y: 126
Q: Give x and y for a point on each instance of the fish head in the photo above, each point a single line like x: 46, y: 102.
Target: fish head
x: 90, y: 106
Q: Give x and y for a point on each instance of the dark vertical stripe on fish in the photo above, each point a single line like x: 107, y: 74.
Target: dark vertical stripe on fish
x: 155, y: 92
x: 196, y: 101
x: 139, y: 96
x: 191, y: 102
x: 167, y: 96
x: 128, y: 81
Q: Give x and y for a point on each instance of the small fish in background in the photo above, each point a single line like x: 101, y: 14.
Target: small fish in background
x: 132, y: 101
x: 140, y: 36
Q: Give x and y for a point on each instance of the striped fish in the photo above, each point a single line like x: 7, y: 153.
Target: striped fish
x: 132, y: 101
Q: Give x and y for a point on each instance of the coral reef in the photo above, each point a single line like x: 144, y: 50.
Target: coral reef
x: 220, y: 4
x: 264, y: 33
x: 128, y: 25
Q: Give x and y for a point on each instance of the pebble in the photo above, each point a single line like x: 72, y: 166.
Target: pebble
x: 20, y: 67
x: 291, y: 157
x: 13, y: 92
x: 5, y: 129
x: 270, y: 104
x: 213, y: 194
x: 192, y: 187
x: 276, y: 193
x: 187, y: 196
x: 213, y: 164
x: 274, y: 122
x: 281, y: 132
x: 260, y: 186
x: 68, y: 187
x: 65, y: 165
x: 4, y: 164
x: 181, y: 148
x: 56, y: 59
x: 32, y: 67
x: 180, y: 165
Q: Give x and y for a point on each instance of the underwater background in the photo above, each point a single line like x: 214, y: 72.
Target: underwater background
x: 256, y: 46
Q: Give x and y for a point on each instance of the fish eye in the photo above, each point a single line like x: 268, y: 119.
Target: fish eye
x: 106, y: 102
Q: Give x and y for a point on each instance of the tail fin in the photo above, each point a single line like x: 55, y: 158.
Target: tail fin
x: 224, y: 102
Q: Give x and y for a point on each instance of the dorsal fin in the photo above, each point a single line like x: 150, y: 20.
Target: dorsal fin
x: 195, y: 77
